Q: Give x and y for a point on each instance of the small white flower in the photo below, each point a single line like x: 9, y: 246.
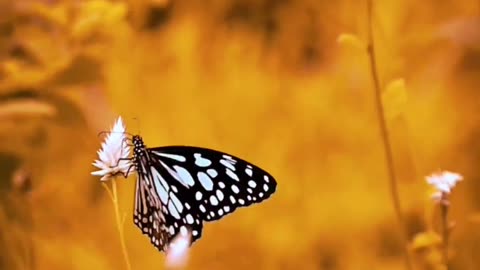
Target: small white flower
x: 178, y: 251
x: 443, y: 182
x: 113, y: 149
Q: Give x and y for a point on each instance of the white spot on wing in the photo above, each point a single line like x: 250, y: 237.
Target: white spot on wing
x: 227, y: 164
x: 171, y: 156
x: 229, y: 159
x: 189, y: 219
x: 184, y: 175
x: 198, y: 195
x: 221, y: 184
x: 212, y: 172
x: 205, y: 180
x: 176, y: 201
x: 232, y: 199
x: 232, y: 175
x: 213, y: 200
x: 160, y: 185
x: 265, y: 187
x: 249, y: 172
x: 173, y: 211
x: 202, y: 208
x: 235, y: 189
x: 219, y: 195
x: 201, y: 161
x: 252, y: 183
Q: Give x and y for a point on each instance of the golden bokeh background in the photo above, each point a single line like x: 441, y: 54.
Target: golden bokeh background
x: 266, y: 80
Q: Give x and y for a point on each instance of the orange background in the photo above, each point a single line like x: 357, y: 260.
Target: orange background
x: 267, y: 80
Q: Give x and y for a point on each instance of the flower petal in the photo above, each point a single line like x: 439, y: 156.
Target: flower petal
x: 112, y: 151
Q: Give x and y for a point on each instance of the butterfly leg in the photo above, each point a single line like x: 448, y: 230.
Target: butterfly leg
x: 121, y: 151
x: 128, y: 171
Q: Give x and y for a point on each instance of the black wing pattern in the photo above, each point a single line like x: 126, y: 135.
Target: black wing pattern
x: 180, y: 187
x: 158, y: 211
x: 214, y: 183
x: 148, y: 215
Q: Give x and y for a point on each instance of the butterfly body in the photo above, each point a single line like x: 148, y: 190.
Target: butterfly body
x: 181, y: 187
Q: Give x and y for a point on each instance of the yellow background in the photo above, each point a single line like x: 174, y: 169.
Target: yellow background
x: 267, y: 80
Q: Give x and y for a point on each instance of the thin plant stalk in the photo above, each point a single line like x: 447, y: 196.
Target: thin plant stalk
x: 31, y: 250
x: 445, y: 233
x: 119, y: 221
x: 393, y: 182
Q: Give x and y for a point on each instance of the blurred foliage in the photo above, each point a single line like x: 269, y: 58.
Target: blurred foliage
x: 265, y: 80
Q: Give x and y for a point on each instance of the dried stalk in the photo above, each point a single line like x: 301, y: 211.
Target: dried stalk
x: 119, y: 222
x: 393, y: 182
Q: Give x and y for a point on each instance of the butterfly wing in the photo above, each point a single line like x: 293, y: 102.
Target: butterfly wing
x: 148, y: 216
x: 212, y: 183
x: 157, y: 208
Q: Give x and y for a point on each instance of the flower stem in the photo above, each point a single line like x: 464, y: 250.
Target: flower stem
x: 384, y: 133
x: 445, y: 232
x: 119, y: 222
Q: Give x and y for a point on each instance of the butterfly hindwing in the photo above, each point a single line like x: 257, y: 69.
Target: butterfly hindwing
x: 180, y: 215
x: 158, y: 211
x: 148, y: 215
x: 215, y: 183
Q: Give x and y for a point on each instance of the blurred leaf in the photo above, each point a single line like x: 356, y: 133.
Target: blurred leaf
x: 352, y: 41
x: 395, y: 98
x: 426, y: 239
x: 56, y: 14
x: 98, y: 15
x: 11, y: 68
x: 26, y: 107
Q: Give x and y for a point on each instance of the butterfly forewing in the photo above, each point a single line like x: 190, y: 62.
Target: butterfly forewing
x: 215, y: 183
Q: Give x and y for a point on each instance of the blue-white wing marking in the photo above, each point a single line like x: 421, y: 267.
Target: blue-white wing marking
x: 180, y: 187
x: 211, y: 183
x: 148, y: 215
x: 158, y: 212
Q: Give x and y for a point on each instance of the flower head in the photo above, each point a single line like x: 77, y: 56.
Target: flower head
x: 177, y: 252
x: 443, y: 182
x: 112, y: 154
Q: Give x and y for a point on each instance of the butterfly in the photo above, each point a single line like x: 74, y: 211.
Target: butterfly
x: 180, y: 187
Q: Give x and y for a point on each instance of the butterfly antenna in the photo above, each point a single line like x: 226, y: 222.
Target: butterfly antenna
x: 103, y: 133
x: 138, y: 124
x: 110, y: 132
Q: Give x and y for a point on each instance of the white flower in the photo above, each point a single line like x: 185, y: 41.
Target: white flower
x: 113, y: 149
x: 178, y: 251
x: 443, y: 182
